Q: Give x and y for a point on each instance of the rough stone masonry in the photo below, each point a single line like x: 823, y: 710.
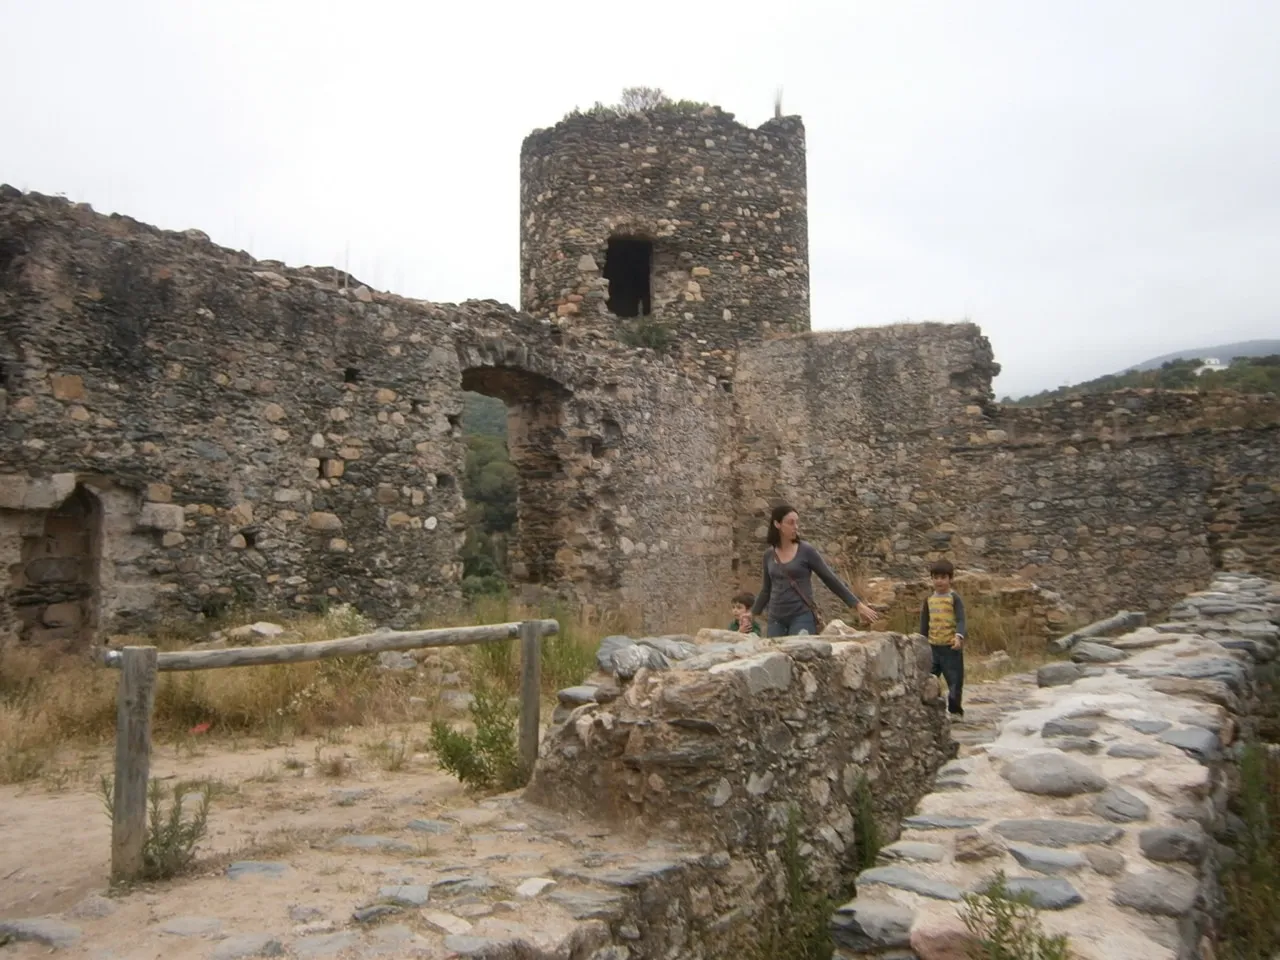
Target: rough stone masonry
x: 184, y: 426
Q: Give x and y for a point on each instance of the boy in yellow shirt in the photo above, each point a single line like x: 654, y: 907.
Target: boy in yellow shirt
x: 942, y: 621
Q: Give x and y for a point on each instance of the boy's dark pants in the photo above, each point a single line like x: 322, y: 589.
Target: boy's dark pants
x: 949, y: 664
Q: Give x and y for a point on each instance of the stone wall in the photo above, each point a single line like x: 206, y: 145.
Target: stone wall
x: 852, y: 429
x: 888, y: 444
x: 722, y: 205
x: 239, y: 431
x: 1103, y: 796
x: 723, y: 742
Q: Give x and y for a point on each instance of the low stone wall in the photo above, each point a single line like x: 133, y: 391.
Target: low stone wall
x: 723, y: 742
x: 1104, y: 797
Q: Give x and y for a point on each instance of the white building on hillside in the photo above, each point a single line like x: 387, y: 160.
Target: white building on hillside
x: 1211, y: 363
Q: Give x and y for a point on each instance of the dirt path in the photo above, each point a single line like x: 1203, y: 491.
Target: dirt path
x: 55, y: 845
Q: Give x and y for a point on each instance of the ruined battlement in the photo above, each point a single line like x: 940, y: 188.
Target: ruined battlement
x: 186, y: 426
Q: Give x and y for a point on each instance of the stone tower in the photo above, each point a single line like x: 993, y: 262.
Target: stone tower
x: 682, y: 218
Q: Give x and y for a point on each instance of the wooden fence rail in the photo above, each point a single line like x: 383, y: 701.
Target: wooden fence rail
x: 135, y: 701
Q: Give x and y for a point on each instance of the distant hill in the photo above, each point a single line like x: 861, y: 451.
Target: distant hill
x: 1257, y: 374
x: 1225, y: 352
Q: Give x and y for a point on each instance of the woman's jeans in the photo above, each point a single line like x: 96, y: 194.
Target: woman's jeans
x: 800, y: 623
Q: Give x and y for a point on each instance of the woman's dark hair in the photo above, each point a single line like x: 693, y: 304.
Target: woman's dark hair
x: 773, y: 537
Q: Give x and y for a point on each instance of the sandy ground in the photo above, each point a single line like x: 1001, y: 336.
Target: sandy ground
x: 55, y: 845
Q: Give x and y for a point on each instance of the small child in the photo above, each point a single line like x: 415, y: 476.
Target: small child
x: 743, y: 621
x: 942, y: 621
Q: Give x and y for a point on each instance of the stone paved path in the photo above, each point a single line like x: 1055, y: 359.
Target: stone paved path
x: 1097, y: 787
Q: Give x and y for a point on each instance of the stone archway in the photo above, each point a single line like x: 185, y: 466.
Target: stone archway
x: 54, y: 586
x: 537, y: 446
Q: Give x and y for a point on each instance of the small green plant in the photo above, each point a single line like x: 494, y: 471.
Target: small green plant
x: 639, y: 100
x: 645, y: 332
x: 1006, y: 926
x: 865, y: 831
x: 800, y: 930
x: 1251, y: 884
x: 170, y: 846
x: 488, y: 760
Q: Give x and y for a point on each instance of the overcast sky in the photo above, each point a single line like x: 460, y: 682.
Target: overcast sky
x: 1093, y: 181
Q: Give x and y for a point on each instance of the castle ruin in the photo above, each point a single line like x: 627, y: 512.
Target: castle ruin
x: 185, y: 427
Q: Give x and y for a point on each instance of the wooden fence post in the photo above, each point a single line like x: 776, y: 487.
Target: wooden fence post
x: 134, y: 703
x: 530, y: 693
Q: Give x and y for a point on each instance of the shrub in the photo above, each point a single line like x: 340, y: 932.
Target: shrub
x: 1251, y: 885
x: 1006, y: 926
x: 170, y: 847
x: 489, y: 759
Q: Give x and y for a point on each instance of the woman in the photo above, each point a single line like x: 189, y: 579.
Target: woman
x: 789, y: 564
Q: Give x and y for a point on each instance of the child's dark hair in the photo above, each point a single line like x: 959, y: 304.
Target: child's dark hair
x: 745, y: 599
x: 942, y: 568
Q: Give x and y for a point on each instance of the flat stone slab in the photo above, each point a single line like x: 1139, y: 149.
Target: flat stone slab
x: 533, y: 886
x: 1149, y: 726
x: 1057, y: 833
x: 1198, y: 742
x: 930, y: 822
x: 1120, y: 806
x: 1069, y: 727
x: 868, y: 927
x: 405, y: 895
x: 248, y: 945
x: 762, y: 673
x: 1046, y: 859
x: 1046, y: 893
x: 1133, y: 751
x: 577, y: 696
x: 192, y: 926
x: 256, y: 868
x: 1052, y: 775
x: 44, y: 930
x: 1092, y: 652
x: 912, y: 850
x: 446, y: 923
x: 904, y: 879
x: 1058, y: 674
x: 1162, y: 893
x: 1173, y: 844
